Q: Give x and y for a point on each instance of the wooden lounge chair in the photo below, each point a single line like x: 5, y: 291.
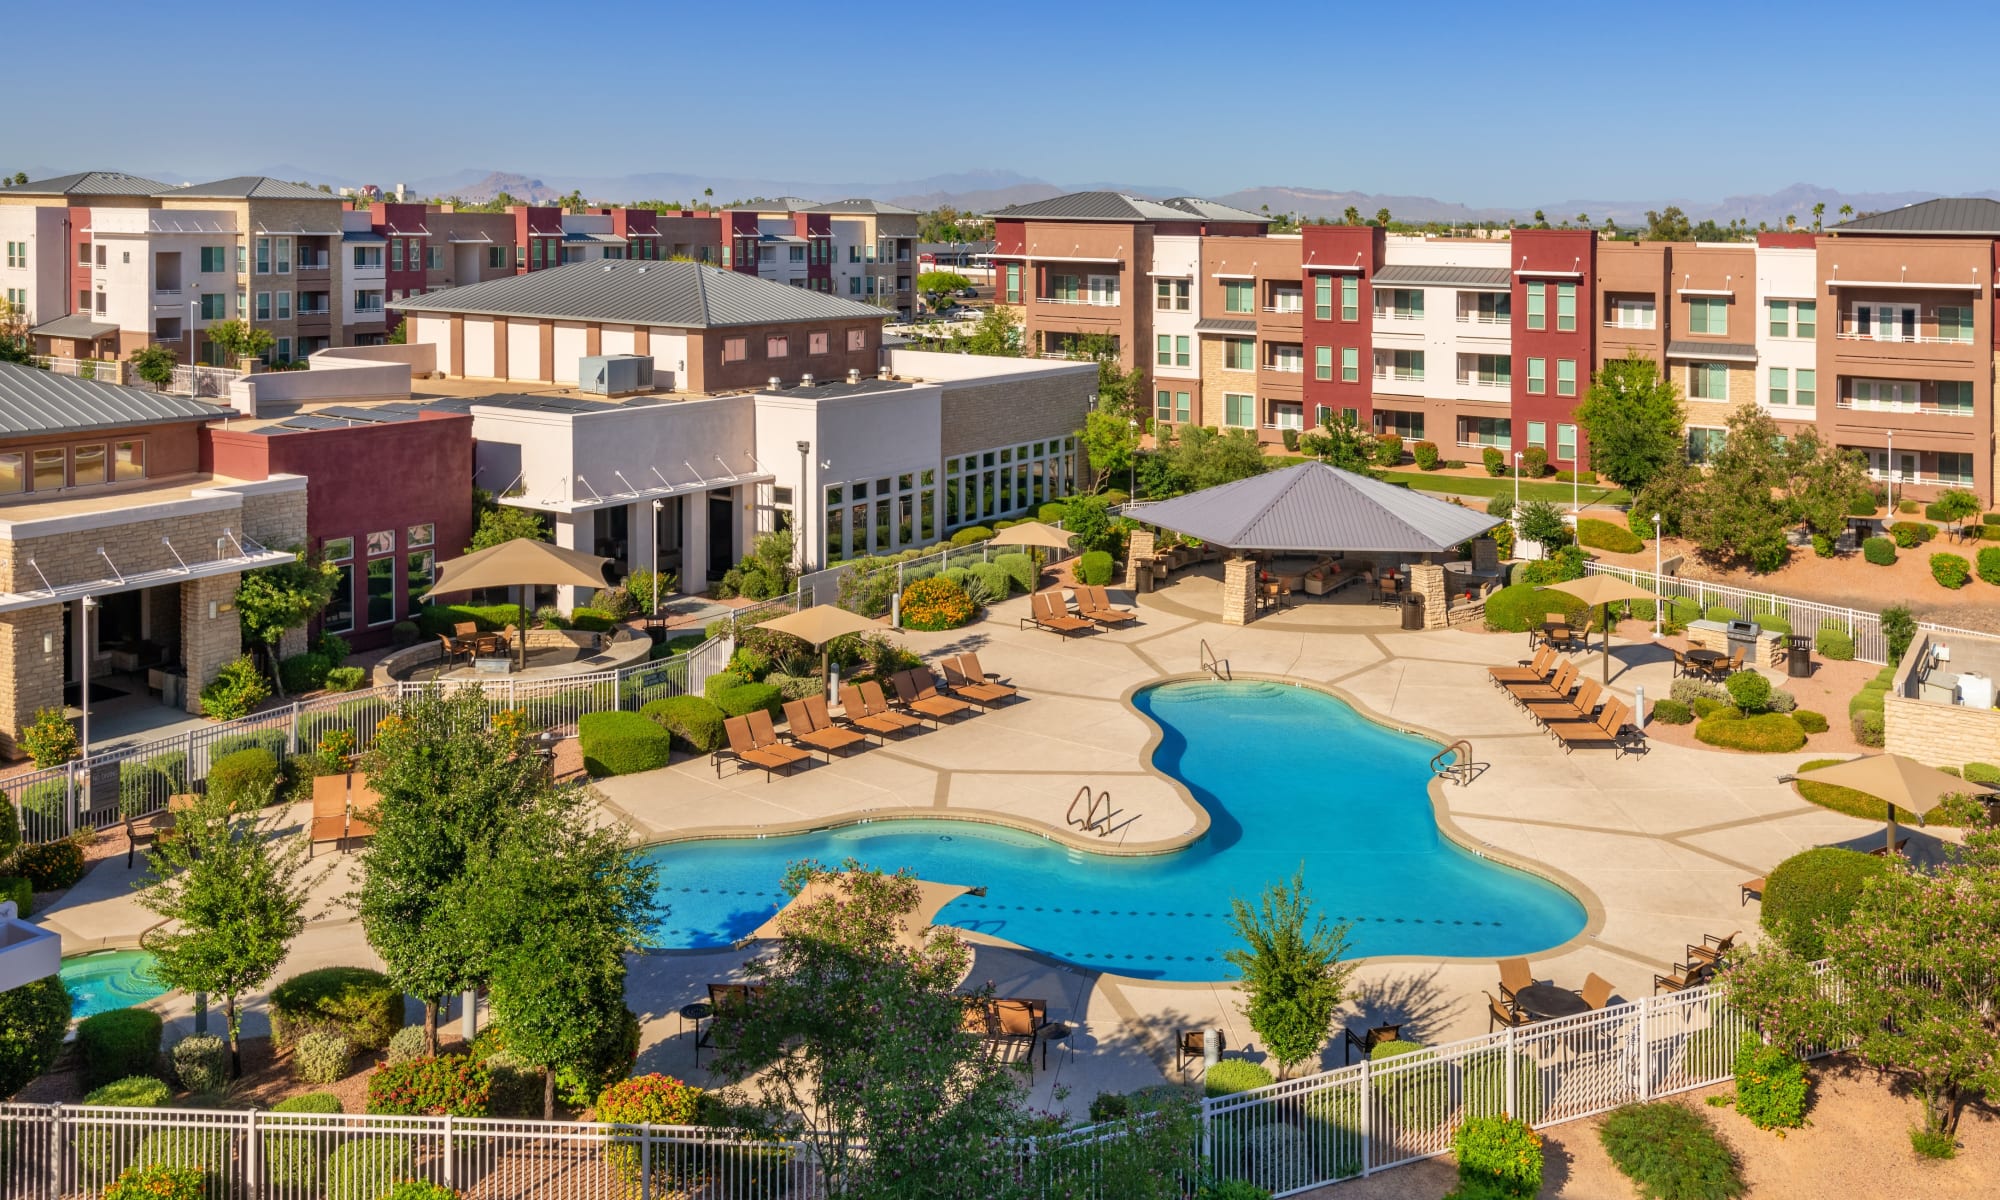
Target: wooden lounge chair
x: 1749, y: 888
x: 329, y: 815
x: 1580, y: 707
x: 878, y: 705
x: 1602, y: 734
x: 1527, y: 670
x: 968, y: 663
x: 1596, y: 991
x: 1366, y: 1043
x: 744, y: 749
x: 807, y: 728
x: 1515, y: 974
x: 1194, y: 1047
x: 1093, y: 603
x: 1503, y: 1015
x: 1047, y: 611
x: 859, y: 714
x: 1557, y: 688
x: 1684, y: 977
x: 1712, y: 948
x: 766, y: 734
x: 959, y: 684
x: 916, y: 690
x: 362, y: 800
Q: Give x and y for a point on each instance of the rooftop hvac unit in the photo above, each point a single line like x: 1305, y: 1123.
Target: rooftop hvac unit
x: 614, y: 374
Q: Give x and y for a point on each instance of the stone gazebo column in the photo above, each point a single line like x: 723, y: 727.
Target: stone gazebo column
x: 1239, y: 590
x: 1427, y: 579
x: 1138, y: 548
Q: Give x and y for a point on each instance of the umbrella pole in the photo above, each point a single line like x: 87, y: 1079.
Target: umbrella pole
x: 1604, y: 627
x: 1890, y: 833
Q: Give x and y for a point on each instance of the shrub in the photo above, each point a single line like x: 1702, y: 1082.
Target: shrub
x: 1534, y: 462
x: 1671, y: 1152
x: 1766, y: 733
x: 1232, y: 1075
x: 133, y: 1091
x: 1094, y: 568
x: 49, y: 738
x: 244, y: 777
x: 1485, y: 1082
x: 1495, y: 460
x: 1781, y: 701
x: 1387, y: 450
x: 990, y: 583
x: 623, y: 743
x: 1811, y: 721
x: 321, y: 1056
x: 1052, y: 512
x: 1501, y: 1150
x: 366, y: 1168
x: 17, y: 889
x: 320, y: 1103
x: 1688, y: 689
x: 1979, y: 772
x: 592, y: 620
x: 33, y: 1019
x: 1409, y: 1093
x: 1951, y: 570
x: 746, y: 698
x: 1583, y: 477
x: 934, y: 602
x: 345, y: 679
x: 1933, y: 1144
x: 1671, y: 712
x: 750, y: 662
x: 117, y: 1044
x: 421, y: 1189
x: 407, y: 1044
x: 1749, y: 691
x: 694, y: 722
x: 49, y: 866
x: 1021, y: 568
x: 1603, y: 535
x: 1878, y: 550
x: 1520, y: 606
x: 236, y: 689
x: 1911, y: 534
x: 200, y: 1063
x: 159, y: 1181
x: 1813, y: 891
x: 1770, y: 1085
x: 1907, y: 505
x: 1989, y: 564
x: 1869, y: 727
x: 1899, y: 629
x: 653, y: 1099
x: 1425, y: 454
x: 1705, y: 708
x: 1824, y: 545
x: 1772, y: 623
x: 451, y: 1084
x: 360, y: 1004
x: 434, y: 619
x: 970, y: 535
x: 721, y: 682
x: 303, y: 672
x: 1834, y: 644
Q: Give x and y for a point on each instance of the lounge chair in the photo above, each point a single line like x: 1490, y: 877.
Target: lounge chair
x: 1012, y: 1022
x: 744, y: 749
x: 959, y: 684
x: 916, y: 690
x: 878, y: 705
x: 1366, y: 1043
x: 329, y: 815
x: 1580, y: 707
x: 1596, y: 991
x: 362, y: 800
x: 1557, y: 688
x: 1749, y: 888
x: 766, y: 734
x: 1605, y: 733
x: 968, y: 665
x: 1046, y: 610
x: 859, y: 714
x: 1515, y: 974
x: 1093, y: 603
x: 1530, y: 670
x: 806, y: 729
x: 1684, y: 976
x: 1498, y: 1014
x: 1712, y: 948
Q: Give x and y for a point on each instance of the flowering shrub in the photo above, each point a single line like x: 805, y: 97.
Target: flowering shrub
x: 451, y: 1084
x: 50, y: 739
x: 935, y: 603
x: 646, y: 1100
x: 159, y: 1182
x: 1502, y: 1150
x: 1770, y: 1085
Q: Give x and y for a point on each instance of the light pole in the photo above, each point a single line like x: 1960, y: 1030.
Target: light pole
x: 1517, y: 479
x: 1889, y: 469
x: 1132, y: 477
x: 799, y: 501
x: 659, y: 506
x: 83, y: 641
x: 1659, y: 594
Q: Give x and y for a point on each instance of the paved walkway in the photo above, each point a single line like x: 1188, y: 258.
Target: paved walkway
x: 1653, y: 845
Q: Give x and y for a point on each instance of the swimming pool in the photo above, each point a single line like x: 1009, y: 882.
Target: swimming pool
x: 114, y: 979
x: 1291, y: 777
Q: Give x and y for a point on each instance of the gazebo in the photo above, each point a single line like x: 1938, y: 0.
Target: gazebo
x: 519, y: 563
x: 1314, y: 509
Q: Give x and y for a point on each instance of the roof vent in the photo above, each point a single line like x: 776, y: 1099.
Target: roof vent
x: 853, y: 375
x: 776, y: 384
x: 806, y: 380
x: 607, y: 266
x: 883, y: 374
x: 641, y: 270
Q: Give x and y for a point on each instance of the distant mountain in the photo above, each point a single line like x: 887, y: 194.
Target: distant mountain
x: 1311, y: 202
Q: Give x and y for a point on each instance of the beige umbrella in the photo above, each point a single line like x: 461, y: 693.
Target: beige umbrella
x: 1896, y: 781
x: 1032, y: 533
x: 1596, y: 590
x: 522, y: 562
x: 822, y: 623
x: 931, y: 898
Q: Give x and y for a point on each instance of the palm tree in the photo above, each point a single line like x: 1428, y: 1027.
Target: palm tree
x: 1583, y: 219
x: 1819, y: 210
x: 1382, y: 217
x: 1352, y: 216
x: 1846, y: 211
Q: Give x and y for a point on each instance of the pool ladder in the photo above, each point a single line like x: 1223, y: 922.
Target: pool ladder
x: 1449, y: 763
x: 1091, y: 821
x: 1218, y: 667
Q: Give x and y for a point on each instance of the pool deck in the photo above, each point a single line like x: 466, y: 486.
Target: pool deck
x: 1653, y: 845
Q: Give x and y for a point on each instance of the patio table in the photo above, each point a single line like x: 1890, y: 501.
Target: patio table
x: 1545, y: 1001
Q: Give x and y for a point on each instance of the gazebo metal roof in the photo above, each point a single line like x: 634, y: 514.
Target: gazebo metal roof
x: 1313, y: 507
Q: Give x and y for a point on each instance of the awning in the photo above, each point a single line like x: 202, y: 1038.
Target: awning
x: 1712, y: 351
x: 635, y: 495
x: 1221, y: 325
x: 249, y: 560
x: 75, y: 325
x: 1313, y: 507
x: 606, y: 239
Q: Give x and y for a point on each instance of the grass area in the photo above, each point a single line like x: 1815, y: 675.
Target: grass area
x: 1489, y: 486
x: 1871, y: 808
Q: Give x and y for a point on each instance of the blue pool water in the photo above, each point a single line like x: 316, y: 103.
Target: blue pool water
x: 115, y: 979
x: 1291, y: 777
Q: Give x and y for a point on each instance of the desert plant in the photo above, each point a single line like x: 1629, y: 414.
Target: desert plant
x: 201, y: 1063
x: 407, y: 1045
x: 1950, y: 570
x: 321, y: 1056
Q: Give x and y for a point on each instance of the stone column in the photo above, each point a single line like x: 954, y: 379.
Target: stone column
x: 1138, y: 546
x: 1239, y: 591
x: 208, y: 642
x: 33, y: 676
x: 1427, y: 580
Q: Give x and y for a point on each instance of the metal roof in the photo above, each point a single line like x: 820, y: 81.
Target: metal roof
x: 1963, y: 216
x: 248, y: 187
x: 91, y: 183
x: 1726, y: 351
x: 1224, y: 325
x: 1414, y: 275
x: 1117, y: 206
x: 578, y: 235
x: 33, y: 401
x: 643, y: 292
x: 1313, y: 507
x: 75, y: 325
x: 878, y: 207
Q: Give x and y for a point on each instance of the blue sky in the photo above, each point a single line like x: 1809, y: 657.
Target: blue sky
x: 1463, y: 102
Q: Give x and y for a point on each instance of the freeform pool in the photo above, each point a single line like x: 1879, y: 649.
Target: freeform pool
x: 1292, y: 779
x: 113, y: 979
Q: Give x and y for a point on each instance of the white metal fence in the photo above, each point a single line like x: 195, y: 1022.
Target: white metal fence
x: 1806, y: 617
x: 210, y: 383
x: 871, y: 590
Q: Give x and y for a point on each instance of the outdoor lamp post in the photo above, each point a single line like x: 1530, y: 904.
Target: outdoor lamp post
x: 1517, y: 480
x: 83, y: 642
x: 1889, y: 470
x: 1132, y: 476
x: 659, y: 506
x: 799, y: 501
x: 1659, y: 595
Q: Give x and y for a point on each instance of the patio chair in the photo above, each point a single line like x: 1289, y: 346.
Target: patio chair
x: 1015, y: 1022
x: 1600, y: 734
x: 916, y: 690
x: 1749, y: 888
x: 1504, y: 1015
x: 329, y: 812
x: 765, y: 733
x: 1684, y: 976
x: 1194, y: 1047
x: 362, y: 800
x: 1046, y: 610
x: 806, y: 730
x: 1367, y: 1042
x: 154, y: 828
x: 1712, y: 948
x: 1557, y: 688
x: 968, y: 665
x: 959, y: 684
x: 1596, y: 991
x: 1387, y: 589
x: 878, y: 705
x: 855, y: 715
x: 727, y: 1004
x: 454, y: 649
x: 1580, y: 707
x: 1093, y: 603
x: 744, y: 749
x: 1532, y: 670
x: 1681, y: 664
x: 1515, y: 974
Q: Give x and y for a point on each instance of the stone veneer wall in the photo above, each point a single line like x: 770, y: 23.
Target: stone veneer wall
x: 1427, y: 580
x: 1138, y: 547
x: 1940, y: 735
x: 34, y: 677
x: 1239, y: 591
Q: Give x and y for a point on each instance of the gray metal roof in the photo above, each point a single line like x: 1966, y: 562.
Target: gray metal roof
x: 1210, y: 210
x: 1482, y: 278
x: 33, y: 401
x: 1313, y: 507
x: 879, y: 207
x: 1117, y: 206
x: 1723, y: 351
x: 247, y: 187
x: 1964, y: 216
x: 644, y: 292
x: 1224, y: 325
x: 75, y: 325
x: 91, y: 183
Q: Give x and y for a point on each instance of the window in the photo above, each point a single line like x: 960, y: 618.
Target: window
x: 1538, y: 376
x: 777, y: 347
x: 214, y: 306
x: 1952, y: 398
x: 816, y: 343
x: 242, y: 258
x: 264, y: 256
x: 1954, y: 324
x: 395, y: 254
x: 128, y: 461
x: 337, y: 549
x: 1403, y: 424
x: 284, y: 256
x: 1954, y: 468
x: 1632, y: 313
x: 17, y: 297
x: 798, y: 253
x: 1350, y: 364
x: 1565, y: 308
x: 263, y: 306
x: 51, y: 470
x: 735, y: 349
x: 338, y: 615
x: 283, y: 351
x: 854, y: 285
x: 1496, y: 370
x: 1290, y: 359
x: 89, y: 464
x: 1565, y: 377
x: 83, y: 254
x: 1703, y: 443
x: 1807, y: 318
x: 1488, y: 308
x: 1566, y: 442
x: 1804, y: 384
x: 1708, y: 314
x: 368, y: 258
x: 1350, y: 298
x: 433, y: 259
x: 1405, y: 304
x: 1485, y: 431
x: 857, y: 339
x: 1286, y: 299
x: 1538, y: 313
x: 1163, y: 405
x: 17, y: 254
x: 381, y: 591
x: 1538, y: 434
x: 1323, y: 362
x: 1287, y: 414
x: 368, y: 300
x: 1172, y: 406
x: 1171, y: 295
x: 1781, y: 318
x: 1406, y: 365
x: 496, y: 257
x: 382, y: 543
x: 1183, y: 350
x: 1239, y: 410
x: 417, y: 576
x: 214, y: 259
x: 13, y: 473
x: 284, y: 306
x: 1323, y: 298
x: 1781, y: 383
x: 1708, y: 381
x: 1013, y: 283
x: 100, y: 299
x: 1239, y: 354
x: 1239, y: 296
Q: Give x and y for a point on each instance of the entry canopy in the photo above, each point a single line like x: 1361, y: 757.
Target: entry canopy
x: 1314, y: 507
x: 523, y: 562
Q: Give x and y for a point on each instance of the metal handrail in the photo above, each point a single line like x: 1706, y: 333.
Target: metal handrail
x: 1218, y: 667
x: 1445, y: 766
x: 1090, y: 818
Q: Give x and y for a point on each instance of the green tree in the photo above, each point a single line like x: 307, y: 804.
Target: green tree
x: 1818, y: 211
x: 1668, y: 226
x: 16, y: 346
x: 1115, y: 424
x: 1846, y: 211
x: 1110, y: 441
x: 1743, y: 514
x: 1196, y: 456
x: 494, y: 523
x: 1540, y: 521
x: 450, y: 789
x: 1352, y: 216
x: 996, y: 334
x: 271, y: 600
x: 238, y: 341
x: 20, y: 178
x: 1382, y: 217
x: 226, y: 890
x: 1823, y: 482
x: 1674, y: 491
x: 1342, y: 443
x: 938, y: 288
x: 400, y: 335
x: 1633, y: 419
x: 155, y: 364
x: 1292, y: 974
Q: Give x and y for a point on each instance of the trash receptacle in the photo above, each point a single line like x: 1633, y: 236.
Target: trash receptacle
x: 1798, y: 656
x: 1142, y: 579
x: 1413, y: 611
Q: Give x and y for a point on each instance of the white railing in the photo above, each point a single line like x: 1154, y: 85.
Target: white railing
x: 1470, y: 381
x: 1922, y: 339
x: 1390, y: 314
x: 1929, y: 408
x: 1297, y: 368
x: 1919, y: 478
x: 1292, y: 310
x: 1630, y: 327
x: 1480, y: 318
x: 82, y: 368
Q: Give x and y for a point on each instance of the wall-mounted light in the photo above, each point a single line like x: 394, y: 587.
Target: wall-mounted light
x: 213, y: 608
x: 48, y: 643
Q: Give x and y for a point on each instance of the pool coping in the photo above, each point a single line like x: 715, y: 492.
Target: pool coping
x: 1593, y: 908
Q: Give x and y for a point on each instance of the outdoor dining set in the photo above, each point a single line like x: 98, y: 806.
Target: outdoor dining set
x: 1524, y: 1000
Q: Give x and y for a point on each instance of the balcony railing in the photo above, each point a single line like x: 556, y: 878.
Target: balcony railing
x: 1390, y: 314
x: 1633, y: 327
x: 322, y: 311
x: 1287, y: 368
x: 1480, y: 318
x: 1093, y: 301
x: 315, y: 264
x: 1400, y: 376
x: 1476, y: 382
x: 1479, y: 445
x: 1919, y: 338
x: 1919, y: 478
x: 1292, y: 310
x: 1929, y: 408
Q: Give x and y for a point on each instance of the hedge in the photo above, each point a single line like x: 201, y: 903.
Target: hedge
x: 746, y: 698
x: 1671, y: 1152
x: 1979, y: 772
x: 1519, y: 607
x: 1671, y: 712
x: 1094, y: 568
x: 1585, y: 477
x: 19, y: 890
x: 592, y: 620
x: 117, y: 1044
x: 623, y: 743
x: 1911, y: 534
x: 435, y: 619
x: 971, y: 534
x: 992, y: 579
x: 1811, y: 721
x: 345, y: 679
x: 1052, y: 512
x: 1834, y: 644
x: 1020, y: 568
x: 133, y: 1091
x: 245, y: 773
x: 694, y: 722
x: 1232, y: 1075
x: 1813, y: 889
x: 1766, y: 733
x: 1603, y: 535
x: 1951, y: 570
x: 354, y: 1001
x: 33, y: 1019
x: 322, y: 1103
x: 303, y: 672
x: 721, y: 682
x: 1989, y: 564
x: 1878, y: 550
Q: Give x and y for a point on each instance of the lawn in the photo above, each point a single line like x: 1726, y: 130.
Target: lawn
x: 1488, y: 486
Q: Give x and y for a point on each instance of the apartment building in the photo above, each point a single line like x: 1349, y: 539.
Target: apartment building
x: 874, y: 253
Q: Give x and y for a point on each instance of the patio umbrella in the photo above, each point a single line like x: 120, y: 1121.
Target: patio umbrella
x: 522, y: 562
x: 822, y: 623
x: 1601, y: 590
x: 931, y: 897
x: 1896, y: 781
x: 1032, y: 533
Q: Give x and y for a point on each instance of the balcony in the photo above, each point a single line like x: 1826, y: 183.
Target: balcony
x: 315, y: 266
x: 1918, y: 478
x: 1473, y: 381
x: 1919, y: 339
x: 1390, y: 314
x: 1928, y: 408
x: 1479, y: 318
x: 1632, y: 327
x: 1088, y: 301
